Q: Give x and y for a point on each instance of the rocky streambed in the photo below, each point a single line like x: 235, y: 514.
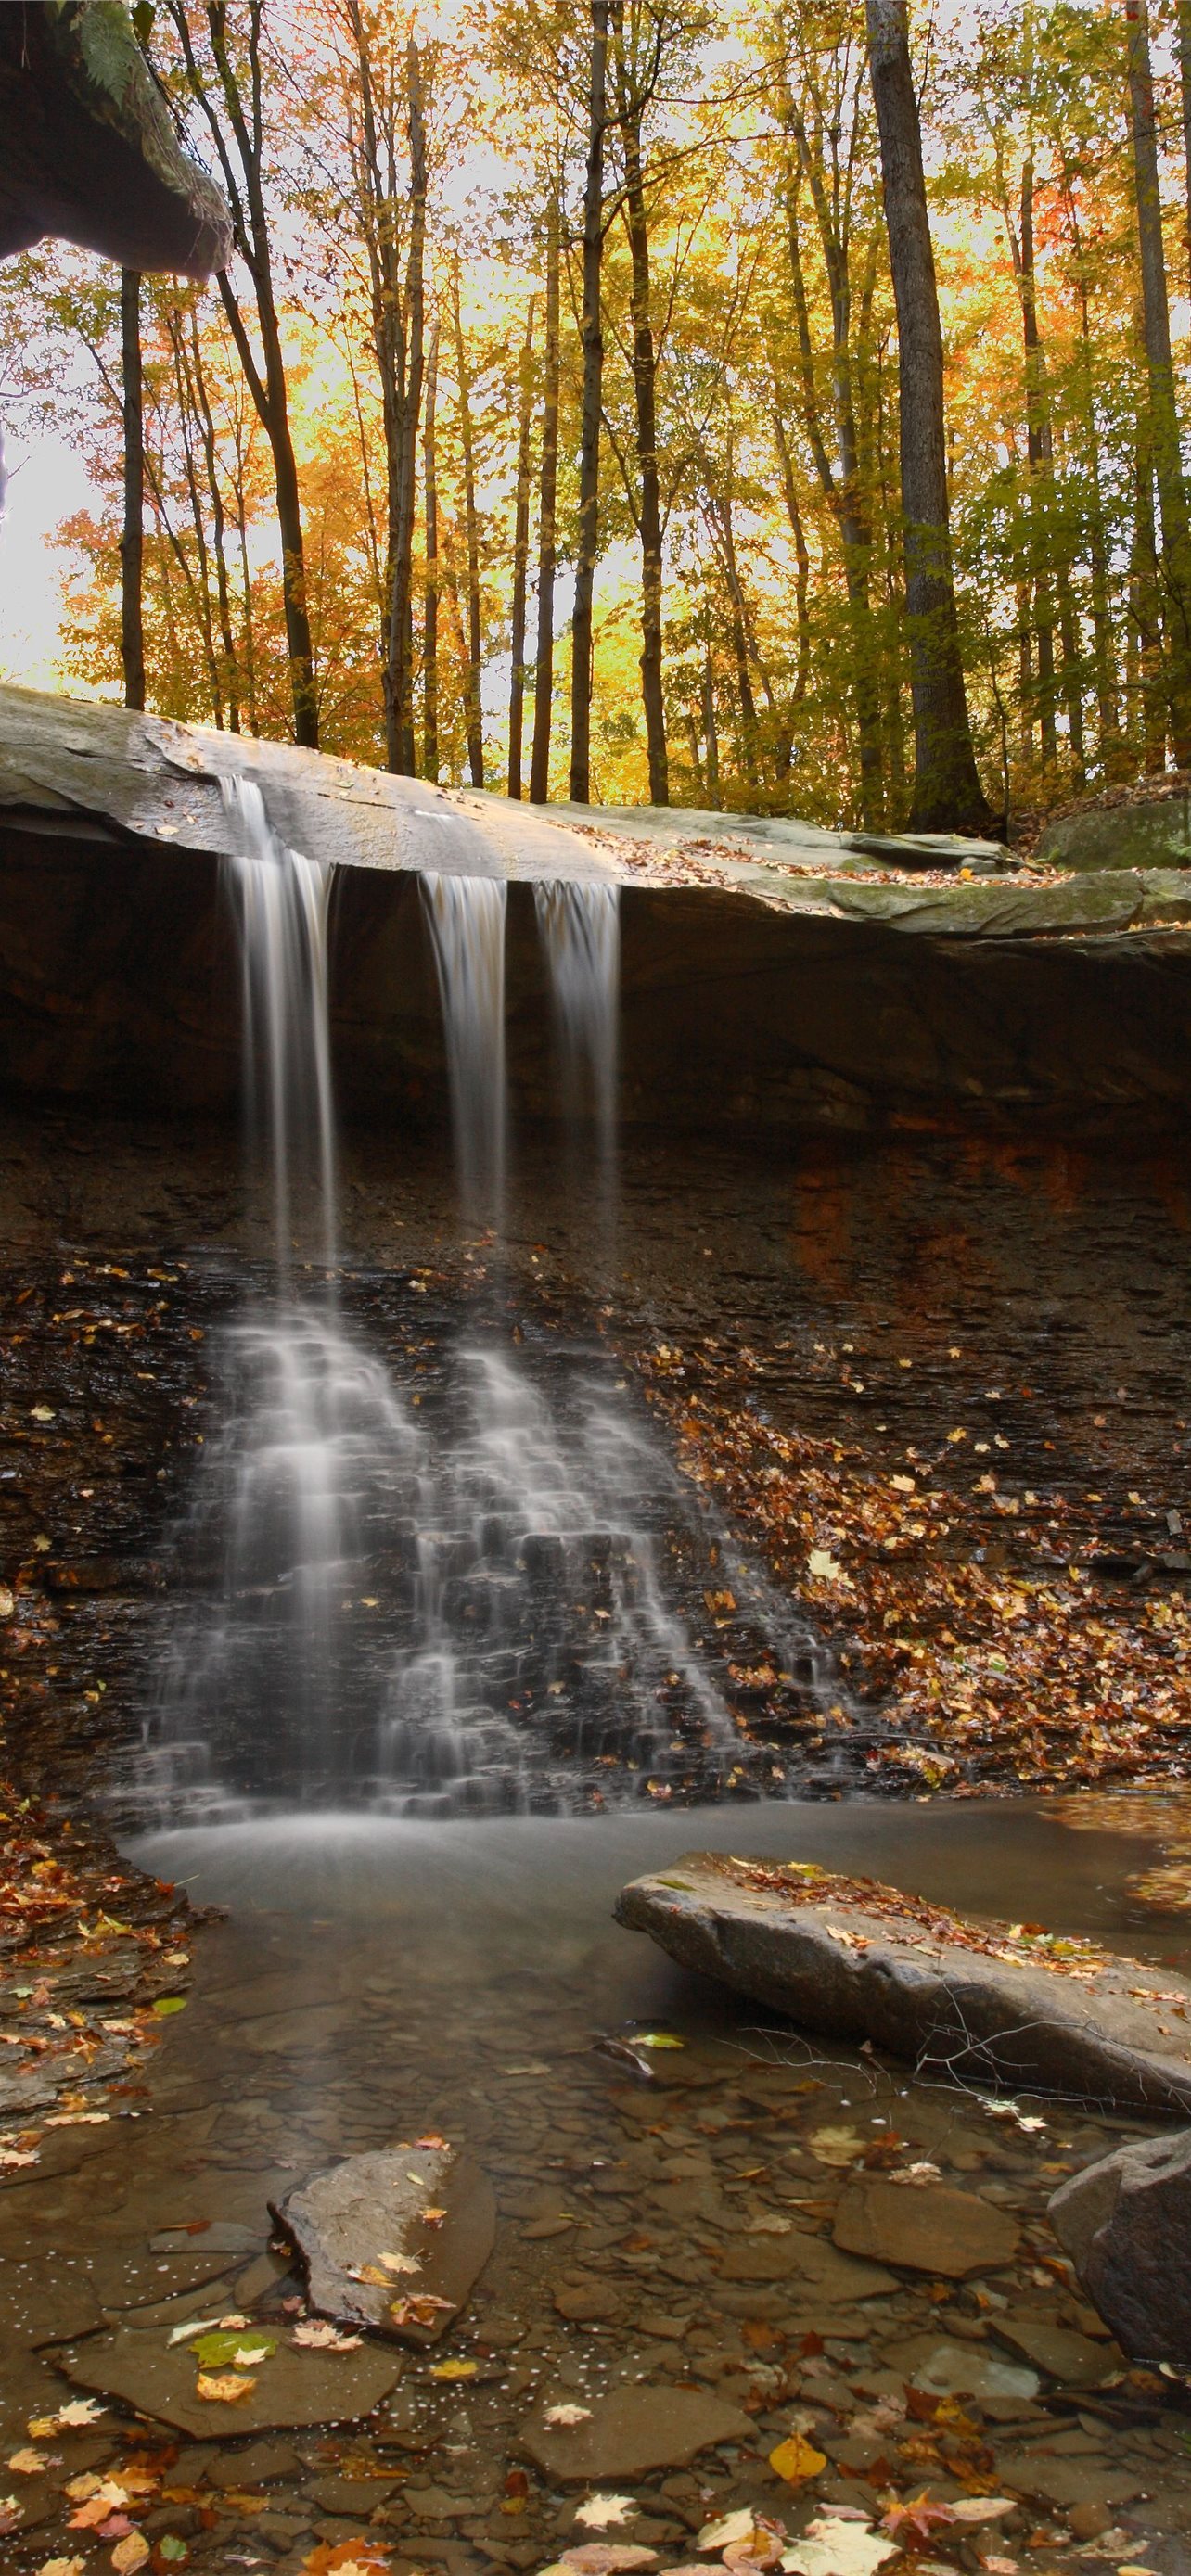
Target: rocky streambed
x: 670, y: 2325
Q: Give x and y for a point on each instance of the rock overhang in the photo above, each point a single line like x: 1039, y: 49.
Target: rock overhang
x: 765, y: 997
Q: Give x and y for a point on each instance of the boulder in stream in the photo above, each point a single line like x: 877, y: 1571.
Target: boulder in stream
x: 1126, y: 2223
x: 393, y: 2240
x: 971, y: 1999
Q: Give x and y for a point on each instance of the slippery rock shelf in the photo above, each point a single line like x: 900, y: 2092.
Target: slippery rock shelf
x: 861, y: 1961
x: 776, y: 997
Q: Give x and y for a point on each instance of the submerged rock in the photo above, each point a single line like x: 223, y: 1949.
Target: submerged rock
x: 930, y: 2228
x: 944, y: 1990
x: 286, y: 2390
x: 394, y: 2240
x: 632, y: 2431
x: 1126, y: 2223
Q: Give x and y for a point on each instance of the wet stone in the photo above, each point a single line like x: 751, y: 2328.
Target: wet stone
x: 1059, y: 2351
x: 945, y: 2369
x: 347, y: 2220
x: 807, y: 2263
x: 631, y: 2432
x: 253, y: 2466
x: 927, y: 2229
x: 587, y: 2302
x: 291, y: 2388
x: 1058, y: 2482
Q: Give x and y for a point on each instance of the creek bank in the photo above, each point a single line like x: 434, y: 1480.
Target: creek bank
x: 656, y: 2244
x: 992, y: 2007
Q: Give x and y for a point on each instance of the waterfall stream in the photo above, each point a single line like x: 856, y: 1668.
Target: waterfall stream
x: 442, y: 1588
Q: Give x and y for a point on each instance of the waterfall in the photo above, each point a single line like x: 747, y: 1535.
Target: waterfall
x: 442, y: 1591
x: 467, y: 926
x: 282, y: 904
x: 580, y: 932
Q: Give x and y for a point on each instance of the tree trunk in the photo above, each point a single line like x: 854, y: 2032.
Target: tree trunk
x: 399, y: 694
x: 1184, y: 38
x: 841, y: 490
x: 241, y: 165
x: 132, y: 541
x: 645, y: 399
x: 1144, y: 610
x: 593, y: 377
x: 1040, y: 459
x: 543, y: 687
x: 801, y: 556
x: 475, y: 643
x: 711, y: 736
x: 948, y: 795
x: 223, y: 593
x: 1167, y: 450
x: 430, y: 609
x: 520, y: 561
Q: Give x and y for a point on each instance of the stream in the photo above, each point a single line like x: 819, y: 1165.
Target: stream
x: 443, y: 1661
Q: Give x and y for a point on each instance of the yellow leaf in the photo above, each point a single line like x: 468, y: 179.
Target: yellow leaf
x: 455, y: 2370
x: 222, y: 2387
x: 795, y: 2460
x: 130, y: 2554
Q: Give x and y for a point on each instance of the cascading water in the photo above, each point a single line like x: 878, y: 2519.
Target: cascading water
x: 434, y: 1597
x: 580, y: 932
x: 467, y: 926
x: 282, y: 903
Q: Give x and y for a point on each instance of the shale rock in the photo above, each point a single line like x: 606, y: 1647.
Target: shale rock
x: 380, y: 2234
x: 1126, y: 2223
x: 941, y: 1989
x: 288, y: 2390
x: 631, y: 2432
x: 928, y: 2228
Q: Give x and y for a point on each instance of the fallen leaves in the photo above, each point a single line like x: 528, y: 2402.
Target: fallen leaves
x: 833, y: 2545
x: 795, y: 2460
x: 604, y: 2512
x: 224, y: 2388
x: 316, y: 2334
x: 347, y: 2558
x: 130, y: 2554
x: 1040, y: 1673
x: 419, y: 2310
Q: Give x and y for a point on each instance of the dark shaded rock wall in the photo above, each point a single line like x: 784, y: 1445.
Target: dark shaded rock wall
x: 119, y: 983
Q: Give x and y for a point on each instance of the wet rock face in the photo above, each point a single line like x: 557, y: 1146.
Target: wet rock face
x: 1126, y: 2223
x: 87, y: 151
x: 395, y: 2240
x: 863, y: 1962
x: 820, y: 1003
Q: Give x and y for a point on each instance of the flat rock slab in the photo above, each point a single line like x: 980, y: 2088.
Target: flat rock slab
x: 928, y: 2227
x: 347, y: 2221
x: 943, y: 1990
x: 946, y: 2368
x: 631, y: 2432
x: 138, y: 2366
x: 1060, y: 2351
x: 800, y: 2260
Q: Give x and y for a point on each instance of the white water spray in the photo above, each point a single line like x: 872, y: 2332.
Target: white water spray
x: 282, y: 903
x: 580, y: 932
x: 467, y: 926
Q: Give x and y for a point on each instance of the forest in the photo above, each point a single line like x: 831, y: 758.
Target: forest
x: 775, y: 410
